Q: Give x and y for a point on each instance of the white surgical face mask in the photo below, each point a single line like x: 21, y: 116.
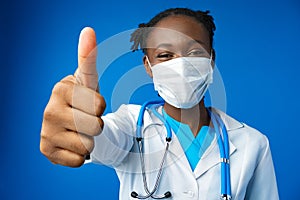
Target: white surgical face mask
x: 182, y: 82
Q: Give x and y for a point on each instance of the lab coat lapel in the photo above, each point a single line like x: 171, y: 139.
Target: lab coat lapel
x: 211, y: 156
x: 230, y: 123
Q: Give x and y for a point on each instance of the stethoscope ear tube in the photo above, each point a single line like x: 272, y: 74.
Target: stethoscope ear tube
x: 140, y: 144
x: 164, y: 196
x: 151, y: 194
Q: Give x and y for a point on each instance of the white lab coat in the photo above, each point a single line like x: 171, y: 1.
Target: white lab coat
x: 251, y: 165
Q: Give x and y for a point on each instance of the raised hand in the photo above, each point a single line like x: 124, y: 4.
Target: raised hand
x: 72, y: 116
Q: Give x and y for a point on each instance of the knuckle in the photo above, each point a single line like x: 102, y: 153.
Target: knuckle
x: 62, y: 88
x: 58, y: 88
x: 55, y: 119
x: 49, y: 113
x: 45, y: 148
x: 69, y: 79
x: 57, y: 100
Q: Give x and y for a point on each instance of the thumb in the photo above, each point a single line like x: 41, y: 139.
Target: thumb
x: 86, y: 73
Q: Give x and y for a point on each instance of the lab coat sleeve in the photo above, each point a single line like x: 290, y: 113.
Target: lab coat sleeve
x: 262, y: 185
x: 116, y: 138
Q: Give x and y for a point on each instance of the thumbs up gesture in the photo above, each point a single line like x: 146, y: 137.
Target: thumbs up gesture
x: 72, y: 116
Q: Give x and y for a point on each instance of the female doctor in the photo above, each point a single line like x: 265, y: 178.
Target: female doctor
x: 171, y: 149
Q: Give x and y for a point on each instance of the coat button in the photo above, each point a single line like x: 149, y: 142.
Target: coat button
x: 189, y: 193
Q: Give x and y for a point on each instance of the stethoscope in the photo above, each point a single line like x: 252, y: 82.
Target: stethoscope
x: 223, y: 144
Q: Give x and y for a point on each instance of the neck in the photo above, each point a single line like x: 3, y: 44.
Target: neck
x: 195, y: 117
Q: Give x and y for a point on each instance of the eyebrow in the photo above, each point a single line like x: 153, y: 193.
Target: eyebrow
x: 191, y: 42
x: 164, y: 45
x: 196, y: 41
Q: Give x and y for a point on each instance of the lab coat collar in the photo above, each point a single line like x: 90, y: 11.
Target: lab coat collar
x: 230, y: 123
x: 211, y: 156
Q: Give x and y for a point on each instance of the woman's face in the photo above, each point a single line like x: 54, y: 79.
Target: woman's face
x: 176, y: 36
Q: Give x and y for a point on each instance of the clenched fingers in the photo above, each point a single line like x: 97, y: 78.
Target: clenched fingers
x: 72, y: 119
x: 80, y: 97
x: 77, y: 143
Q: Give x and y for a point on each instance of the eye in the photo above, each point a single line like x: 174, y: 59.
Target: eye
x: 197, y: 53
x: 165, y: 56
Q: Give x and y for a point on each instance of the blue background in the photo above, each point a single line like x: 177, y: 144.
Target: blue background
x: 257, y: 44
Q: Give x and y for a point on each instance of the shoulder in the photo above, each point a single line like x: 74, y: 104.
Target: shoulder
x: 249, y: 137
x: 249, y: 147
x: 242, y: 134
x: 250, y: 160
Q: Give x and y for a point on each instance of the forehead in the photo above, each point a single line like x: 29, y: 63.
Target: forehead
x: 178, y: 29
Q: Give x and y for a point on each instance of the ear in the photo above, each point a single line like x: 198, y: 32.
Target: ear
x: 213, y: 52
x: 213, y: 55
x: 147, y: 66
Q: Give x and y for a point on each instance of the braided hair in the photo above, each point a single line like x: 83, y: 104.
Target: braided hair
x: 139, y: 36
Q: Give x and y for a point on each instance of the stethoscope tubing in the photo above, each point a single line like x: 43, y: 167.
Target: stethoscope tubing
x: 160, y: 117
x: 224, y: 154
x: 151, y: 194
x: 154, y: 104
x: 223, y: 143
x: 140, y: 120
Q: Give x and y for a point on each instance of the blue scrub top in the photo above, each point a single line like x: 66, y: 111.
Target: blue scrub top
x: 194, y: 147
